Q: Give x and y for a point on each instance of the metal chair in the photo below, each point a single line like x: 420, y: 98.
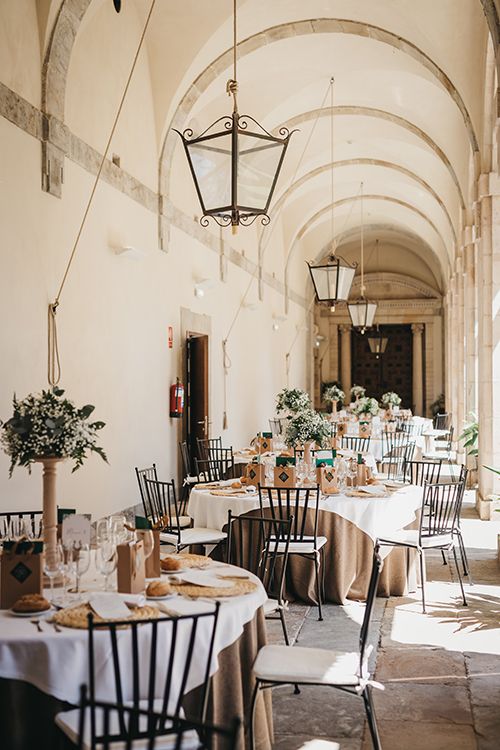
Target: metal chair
x: 442, y: 421
x: 222, y: 460
x: 444, y: 447
x: 141, y: 729
x: 422, y: 472
x: 260, y: 545
x: 187, y: 469
x: 151, y: 474
x: 203, y: 444
x: 356, y: 444
x: 29, y: 520
x: 289, y: 665
x: 151, y: 664
x: 163, y: 509
x: 441, y: 504
x: 207, y: 471
x: 285, y: 503
x: 458, y: 531
x: 396, y: 450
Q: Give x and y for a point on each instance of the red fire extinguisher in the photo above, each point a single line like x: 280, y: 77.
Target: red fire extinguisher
x: 176, y: 400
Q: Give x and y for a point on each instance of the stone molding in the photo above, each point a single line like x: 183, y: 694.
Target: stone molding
x: 395, y: 278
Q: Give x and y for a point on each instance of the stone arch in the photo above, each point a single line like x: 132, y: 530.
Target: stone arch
x: 421, y: 288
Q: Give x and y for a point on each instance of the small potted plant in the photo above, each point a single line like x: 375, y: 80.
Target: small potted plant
x: 305, y: 428
x: 47, y: 428
x: 391, y: 401
x: 357, y: 392
x: 332, y: 395
x: 292, y: 400
x: 366, y: 407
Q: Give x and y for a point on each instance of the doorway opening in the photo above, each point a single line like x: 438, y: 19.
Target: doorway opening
x: 392, y: 371
x: 197, y: 394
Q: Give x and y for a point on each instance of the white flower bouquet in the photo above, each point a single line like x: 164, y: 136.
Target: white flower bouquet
x: 46, y: 425
x: 292, y: 400
x: 390, y: 399
x: 307, y: 426
x: 333, y: 393
x: 366, y: 405
x: 357, y: 392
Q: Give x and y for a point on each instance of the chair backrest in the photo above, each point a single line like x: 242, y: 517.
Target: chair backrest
x: 370, y: 603
x: 153, y: 659
x: 222, y: 460
x: 207, y: 470
x: 141, y: 729
x: 441, y: 505
x: 162, y: 507
x: 258, y: 543
x: 396, y: 449
x: 203, y: 444
x: 411, y: 428
x: 293, y: 502
x: 442, y: 421
x: 357, y: 444
x: 421, y: 472
x: 187, y: 465
x: 31, y: 518
x: 142, y: 475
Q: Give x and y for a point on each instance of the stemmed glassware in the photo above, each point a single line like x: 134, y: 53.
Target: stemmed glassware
x: 53, y: 565
x: 106, y: 555
x: 79, y: 562
x: 341, y: 472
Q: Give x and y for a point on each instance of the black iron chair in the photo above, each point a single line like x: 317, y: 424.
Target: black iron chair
x: 207, y: 471
x: 30, y: 518
x: 442, y: 421
x: 458, y: 531
x: 203, y: 445
x: 140, y: 729
x: 397, y: 449
x: 150, y: 473
x: 356, y: 444
x: 163, y: 510
x: 222, y: 461
x: 294, y: 665
x: 441, y: 504
x: 188, y: 471
x: 422, y: 472
x: 151, y: 664
x: 287, y: 502
x: 260, y: 545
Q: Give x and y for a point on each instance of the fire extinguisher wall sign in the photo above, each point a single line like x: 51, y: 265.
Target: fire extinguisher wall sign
x: 176, y: 400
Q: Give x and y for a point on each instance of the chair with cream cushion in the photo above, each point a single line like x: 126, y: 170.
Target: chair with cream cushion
x: 164, y: 511
x: 294, y: 665
x: 149, y: 664
x: 151, y: 473
x: 438, y: 523
x: 301, y: 503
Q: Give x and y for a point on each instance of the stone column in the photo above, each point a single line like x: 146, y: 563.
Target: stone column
x: 460, y: 357
x: 470, y: 315
x: 345, y: 359
x: 417, y: 330
x: 488, y: 280
x: 333, y: 351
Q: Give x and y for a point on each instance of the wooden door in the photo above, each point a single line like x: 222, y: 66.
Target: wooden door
x: 197, y: 390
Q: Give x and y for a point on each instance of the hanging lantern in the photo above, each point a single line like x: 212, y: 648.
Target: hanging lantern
x: 362, y: 311
x: 377, y: 343
x: 332, y: 280
x: 235, y: 164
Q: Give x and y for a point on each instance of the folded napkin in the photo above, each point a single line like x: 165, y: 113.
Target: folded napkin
x: 331, y: 491
x: 202, y: 578
x: 109, y: 606
x: 249, y: 491
x: 182, y: 606
x: 368, y: 491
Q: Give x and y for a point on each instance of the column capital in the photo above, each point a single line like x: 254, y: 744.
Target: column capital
x: 417, y: 328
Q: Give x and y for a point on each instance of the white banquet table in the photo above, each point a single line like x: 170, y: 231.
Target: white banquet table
x: 351, y: 525
x: 56, y: 663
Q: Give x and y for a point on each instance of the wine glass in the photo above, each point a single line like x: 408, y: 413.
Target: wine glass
x: 302, y: 470
x: 53, y: 565
x: 341, y: 472
x: 80, y: 562
x: 106, y: 559
x: 147, y: 538
x: 352, y: 470
x: 119, y: 532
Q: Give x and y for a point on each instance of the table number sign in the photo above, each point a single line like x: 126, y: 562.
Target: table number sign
x: 76, y: 530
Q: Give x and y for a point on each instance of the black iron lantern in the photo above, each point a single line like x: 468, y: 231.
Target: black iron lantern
x: 332, y: 280
x: 362, y: 311
x: 377, y: 343
x: 235, y: 164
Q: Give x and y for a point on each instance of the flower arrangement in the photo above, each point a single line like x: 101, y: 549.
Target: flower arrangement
x: 357, y: 391
x: 46, y: 425
x: 390, y: 399
x: 307, y: 426
x: 292, y: 400
x: 333, y: 393
x: 366, y: 405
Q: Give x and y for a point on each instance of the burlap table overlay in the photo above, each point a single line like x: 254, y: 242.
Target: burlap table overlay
x: 347, y: 558
x: 28, y: 713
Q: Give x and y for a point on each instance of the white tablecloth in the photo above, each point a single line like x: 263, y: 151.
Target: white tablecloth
x: 57, y: 663
x: 374, y: 516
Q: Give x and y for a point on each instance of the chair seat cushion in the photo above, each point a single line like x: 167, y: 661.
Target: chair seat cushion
x: 68, y: 722
x: 410, y: 538
x: 196, y: 535
x: 305, y: 546
x: 270, y: 606
x: 306, y: 665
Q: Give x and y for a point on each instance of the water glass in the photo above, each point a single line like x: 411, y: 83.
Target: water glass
x: 106, y: 560
x: 53, y: 565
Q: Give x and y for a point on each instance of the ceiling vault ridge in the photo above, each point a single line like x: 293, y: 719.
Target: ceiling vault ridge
x: 400, y: 279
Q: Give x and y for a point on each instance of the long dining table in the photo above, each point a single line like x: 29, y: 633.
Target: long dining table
x: 351, y: 525
x: 41, y: 671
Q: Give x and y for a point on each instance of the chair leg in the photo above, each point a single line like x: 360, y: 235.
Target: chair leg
x: 459, y: 576
x: 422, y: 576
x: 463, y: 555
x: 283, y: 625
x: 370, y: 715
x: 318, y: 587
x: 445, y: 561
x: 251, y: 729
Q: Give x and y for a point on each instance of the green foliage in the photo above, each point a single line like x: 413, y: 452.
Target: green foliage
x: 470, y: 436
x: 357, y: 391
x: 390, y: 399
x: 438, y: 406
x: 366, y: 405
x: 333, y: 393
x: 46, y: 425
x: 292, y: 400
x: 308, y: 425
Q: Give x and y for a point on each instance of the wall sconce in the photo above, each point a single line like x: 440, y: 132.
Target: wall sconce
x: 203, y: 286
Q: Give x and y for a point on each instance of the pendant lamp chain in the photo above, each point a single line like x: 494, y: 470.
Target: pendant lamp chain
x: 332, y: 186
x: 232, y: 84
x: 362, y: 246
x: 54, y: 365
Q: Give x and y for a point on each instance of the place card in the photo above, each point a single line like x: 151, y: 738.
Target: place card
x: 76, y: 530
x: 109, y: 606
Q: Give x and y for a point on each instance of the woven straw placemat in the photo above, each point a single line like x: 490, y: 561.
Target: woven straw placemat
x: 240, y: 587
x: 187, y: 560
x: 76, y: 617
x: 233, y: 493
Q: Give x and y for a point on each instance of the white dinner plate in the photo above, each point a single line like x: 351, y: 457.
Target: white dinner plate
x: 160, y: 598
x: 173, y: 572
x: 31, y: 614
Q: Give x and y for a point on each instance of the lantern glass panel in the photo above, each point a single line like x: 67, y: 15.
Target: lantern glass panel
x: 211, y: 163
x: 362, y: 313
x: 258, y: 162
x: 325, y: 281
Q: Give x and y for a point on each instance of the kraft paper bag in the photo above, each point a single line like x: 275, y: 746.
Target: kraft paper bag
x: 365, y: 429
x: 21, y: 571
x: 130, y: 568
x: 255, y: 474
x: 264, y: 443
x: 326, y: 479
x: 341, y: 429
x: 285, y: 476
x: 153, y: 567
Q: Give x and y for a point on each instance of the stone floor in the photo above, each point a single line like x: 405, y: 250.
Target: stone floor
x: 441, y: 671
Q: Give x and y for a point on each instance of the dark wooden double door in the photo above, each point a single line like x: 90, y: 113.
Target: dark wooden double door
x: 392, y: 371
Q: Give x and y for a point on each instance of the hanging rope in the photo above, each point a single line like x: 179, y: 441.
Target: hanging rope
x: 332, y: 186
x: 54, y: 368
x: 362, y: 246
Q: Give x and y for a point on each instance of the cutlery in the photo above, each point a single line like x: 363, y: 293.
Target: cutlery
x: 56, y: 627
x: 38, y: 625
